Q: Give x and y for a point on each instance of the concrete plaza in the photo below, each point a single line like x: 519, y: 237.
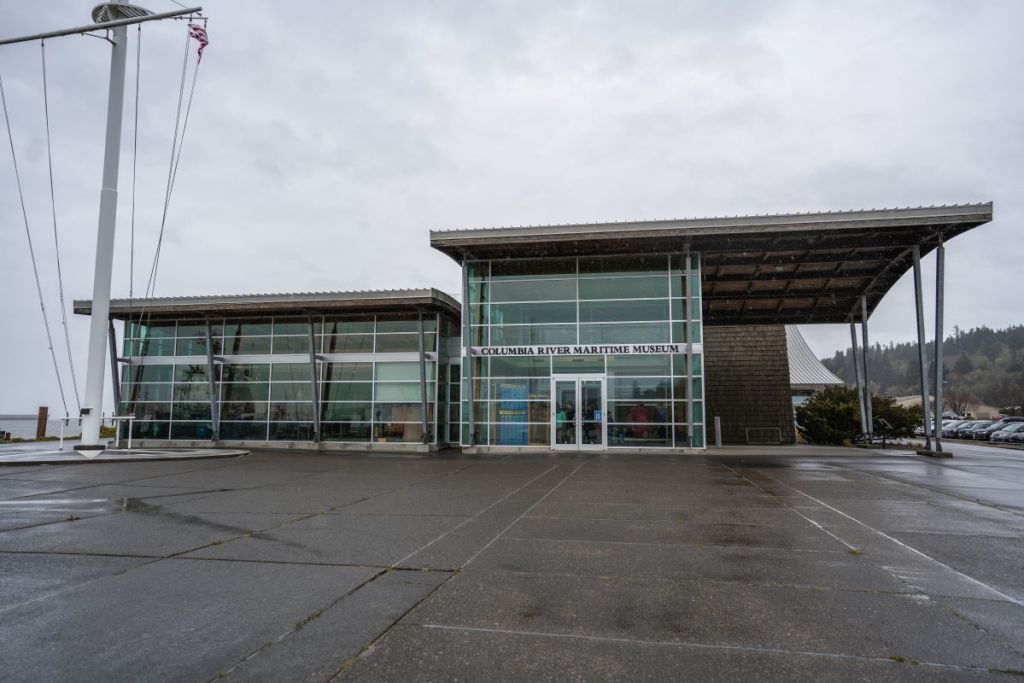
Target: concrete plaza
x: 784, y: 564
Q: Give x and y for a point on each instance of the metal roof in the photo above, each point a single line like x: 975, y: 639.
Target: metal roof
x: 805, y: 370
x: 370, y: 301
x: 770, y: 269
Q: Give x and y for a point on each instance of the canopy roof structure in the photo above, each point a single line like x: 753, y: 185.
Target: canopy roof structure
x: 771, y: 269
x: 376, y: 301
x: 805, y: 370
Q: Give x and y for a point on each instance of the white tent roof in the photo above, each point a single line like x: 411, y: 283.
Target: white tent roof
x: 805, y: 370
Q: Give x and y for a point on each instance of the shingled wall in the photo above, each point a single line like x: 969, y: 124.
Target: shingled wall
x: 746, y: 381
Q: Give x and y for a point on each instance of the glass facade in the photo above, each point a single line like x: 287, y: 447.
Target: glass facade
x: 366, y: 371
x: 537, y: 310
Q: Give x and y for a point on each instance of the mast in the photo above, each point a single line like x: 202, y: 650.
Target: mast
x: 115, y: 17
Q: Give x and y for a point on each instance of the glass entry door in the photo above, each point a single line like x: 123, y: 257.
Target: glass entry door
x: 578, y: 420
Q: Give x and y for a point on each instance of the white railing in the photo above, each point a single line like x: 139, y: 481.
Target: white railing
x: 114, y: 419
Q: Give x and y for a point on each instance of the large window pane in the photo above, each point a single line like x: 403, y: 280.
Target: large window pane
x: 626, y: 333
x: 533, y: 269
x: 249, y: 411
x: 290, y: 391
x: 291, y: 431
x: 152, y: 411
x: 409, y: 370
x: 149, y: 392
x: 194, y: 346
x: 246, y: 328
x: 291, y: 411
x: 407, y: 433
x: 648, y: 287
x: 538, y: 366
x: 346, y: 412
x: 638, y: 365
x: 290, y: 372
x: 623, y: 265
x: 623, y: 311
x: 340, y: 326
x: 190, y: 373
x: 246, y: 372
x: 404, y: 342
x: 639, y: 388
x: 349, y: 343
x: 345, y: 431
x: 194, y: 391
x: 346, y: 391
x: 534, y: 388
x: 518, y: 314
x: 291, y: 326
x: 534, y: 290
x: 348, y: 372
x: 243, y: 431
x: 151, y: 373
x: 291, y: 344
x: 192, y: 431
x: 240, y: 346
x: 190, y: 411
x: 400, y: 412
x: 244, y: 391
x: 577, y: 364
x: 402, y: 391
x: 153, y: 347
x: 151, y: 430
x: 533, y: 335
x: 639, y: 412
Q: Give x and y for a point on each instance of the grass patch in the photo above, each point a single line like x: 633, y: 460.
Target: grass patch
x: 900, y: 659
x: 856, y: 551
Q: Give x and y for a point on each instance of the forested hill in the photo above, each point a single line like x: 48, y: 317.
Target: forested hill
x: 982, y: 364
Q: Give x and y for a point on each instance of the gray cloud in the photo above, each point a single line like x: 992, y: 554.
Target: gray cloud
x: 324, y: 145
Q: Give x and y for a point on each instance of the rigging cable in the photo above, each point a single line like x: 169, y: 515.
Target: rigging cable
x: 31, y: 250
x: 56, y: 242
x: 151, y: 281
x: 135, y: 158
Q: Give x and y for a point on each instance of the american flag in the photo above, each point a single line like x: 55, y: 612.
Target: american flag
x: 199, y: 33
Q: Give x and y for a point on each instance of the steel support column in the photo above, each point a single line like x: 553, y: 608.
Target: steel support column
x: 211, y: 379
x: 688, y: 316
x: 940, y: 285
x: 867, y: 378
x: 424, y: 437
x: 115, y: 374
x: 314, y: 382
x: 467, y: 370
x: 919, y: 305
x: 856, y: 378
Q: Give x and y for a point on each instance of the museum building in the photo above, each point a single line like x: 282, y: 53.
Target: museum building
x: 609, y: 336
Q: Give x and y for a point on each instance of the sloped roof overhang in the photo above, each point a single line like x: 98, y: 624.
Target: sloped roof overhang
x: 365, y: 302
x: 772, y: 269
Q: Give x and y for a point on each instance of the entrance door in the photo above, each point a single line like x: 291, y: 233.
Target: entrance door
x: 579, y: 415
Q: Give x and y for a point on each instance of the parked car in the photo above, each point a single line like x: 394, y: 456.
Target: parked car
x: 995, y: 427
x: 1004, y: 434
x: 949, y: 427
x: 1016, y: 437
x: 960, y: 432
x: 979, y: 427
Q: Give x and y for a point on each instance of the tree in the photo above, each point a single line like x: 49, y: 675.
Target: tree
x: 963, y: 365
x: 830, y: 416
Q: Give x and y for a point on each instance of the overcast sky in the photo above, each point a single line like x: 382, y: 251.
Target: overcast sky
x: 326, y: 139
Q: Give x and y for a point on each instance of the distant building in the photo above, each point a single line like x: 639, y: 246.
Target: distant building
x: 807, y: 374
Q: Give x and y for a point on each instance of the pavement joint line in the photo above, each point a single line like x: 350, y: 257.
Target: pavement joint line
x: 78, y: 586
x: 525, y: 512
x: 368, y: 646
x: 974, y: 501
x: 765, y: 548
x: 470, y: 519
x: 696, y: 646
x: 901, y: 544
x: 297, y: 626
x: 790, y: 507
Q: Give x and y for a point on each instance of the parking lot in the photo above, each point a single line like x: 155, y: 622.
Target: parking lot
x: 788, y: 564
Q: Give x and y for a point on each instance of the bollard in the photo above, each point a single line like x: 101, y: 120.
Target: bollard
x: 41, y: 422
x: 718, y: 431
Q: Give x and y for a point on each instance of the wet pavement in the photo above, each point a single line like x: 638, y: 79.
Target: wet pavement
x: 778, y: 564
